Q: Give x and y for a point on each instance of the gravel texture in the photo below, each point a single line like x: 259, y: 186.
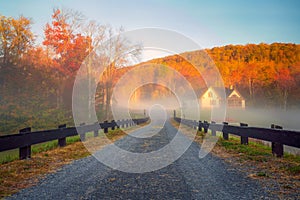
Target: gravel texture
x: 187, y: 178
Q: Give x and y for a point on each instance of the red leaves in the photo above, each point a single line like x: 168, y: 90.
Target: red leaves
x: 71, y: 49
x: 56, y: 13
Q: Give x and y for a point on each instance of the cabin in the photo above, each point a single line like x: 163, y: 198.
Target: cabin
x: 217, y: 96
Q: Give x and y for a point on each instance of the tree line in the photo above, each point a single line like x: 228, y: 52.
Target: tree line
x: 266, y: 74
x: 36, y: 80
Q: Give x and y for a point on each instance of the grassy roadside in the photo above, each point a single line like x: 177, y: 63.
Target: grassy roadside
x: 47, y: 158
x: 11, y: 155
x: 280, y: 176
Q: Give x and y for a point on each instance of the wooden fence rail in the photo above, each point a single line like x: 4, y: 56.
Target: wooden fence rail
x: 26, y: 138
x: 276, y: 135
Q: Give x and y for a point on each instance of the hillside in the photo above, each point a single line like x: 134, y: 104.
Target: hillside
x: 266, y: 74
x: 34, y: 93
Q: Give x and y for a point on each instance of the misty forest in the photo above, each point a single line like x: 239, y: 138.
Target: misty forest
x: 36, y: 80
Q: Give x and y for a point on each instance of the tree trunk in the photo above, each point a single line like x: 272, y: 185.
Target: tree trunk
x: 250, y: 89
x: 90, y: 99
x: 285, y: 96
x: 57, y: 98
x: 107, y: 100
x: 59, y: 95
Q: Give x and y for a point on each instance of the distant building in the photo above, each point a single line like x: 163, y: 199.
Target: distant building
x: 214, y: 97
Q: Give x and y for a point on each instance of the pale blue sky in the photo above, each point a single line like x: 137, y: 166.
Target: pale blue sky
x: 209, y: 23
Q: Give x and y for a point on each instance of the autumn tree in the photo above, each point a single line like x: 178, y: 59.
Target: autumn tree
x: 284, y: 82
x: 16, y: 38
x: 70, y: 46
x: 40, y: 68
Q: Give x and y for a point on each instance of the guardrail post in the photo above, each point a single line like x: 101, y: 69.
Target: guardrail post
x: 225, y: 134
x: 25, y: 152
x: 205, y: 126
x: 82, y: 135
x: 244, y: 140
x: 105, y: 127
x: 113, y: 124
x: 62, y: 141
x: 277, y: 148
x: 200, y: 126
x: 121, y: 123
x: 194, y: 124
x: 96, y: 131
x: 213, y: 132
x: 118, y: 124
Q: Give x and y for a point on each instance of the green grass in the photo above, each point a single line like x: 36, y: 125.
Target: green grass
x: 37, y: 148
x: 72, y: 139
x: 252, y: 149
x: 292, y: 157
x: 11, y: 155
x: 261, y: 153
x: 262, y: 174
x: 294, y: 169
x: 8, y: 156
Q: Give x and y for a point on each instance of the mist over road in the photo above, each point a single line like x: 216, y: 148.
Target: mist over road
x: 187, y: 178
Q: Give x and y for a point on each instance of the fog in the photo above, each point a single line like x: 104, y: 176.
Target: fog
x: 261, y: 117
x: 191, y: 109
x: 257, y: 117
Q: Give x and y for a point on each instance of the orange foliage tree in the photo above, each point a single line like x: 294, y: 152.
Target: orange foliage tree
x: 285, y: 82
x: 16, y: 38
x: 70, y: 48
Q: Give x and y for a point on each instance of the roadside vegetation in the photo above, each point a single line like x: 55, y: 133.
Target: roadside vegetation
x: 280, y: 176
x: 11, y: 155
x: 47, y: 158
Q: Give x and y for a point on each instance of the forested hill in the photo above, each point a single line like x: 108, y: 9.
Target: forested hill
x: 36, y: 81
x: 266, y: 74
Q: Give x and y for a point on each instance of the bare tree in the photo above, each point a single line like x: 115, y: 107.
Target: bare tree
x: 109, y: 50
x: 117, y: 52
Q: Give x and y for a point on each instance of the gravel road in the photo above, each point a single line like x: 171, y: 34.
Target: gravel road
x: 187, y: 178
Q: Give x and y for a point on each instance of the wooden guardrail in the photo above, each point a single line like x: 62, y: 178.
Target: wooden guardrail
x: 26, y: 138
x: 276, y: 135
